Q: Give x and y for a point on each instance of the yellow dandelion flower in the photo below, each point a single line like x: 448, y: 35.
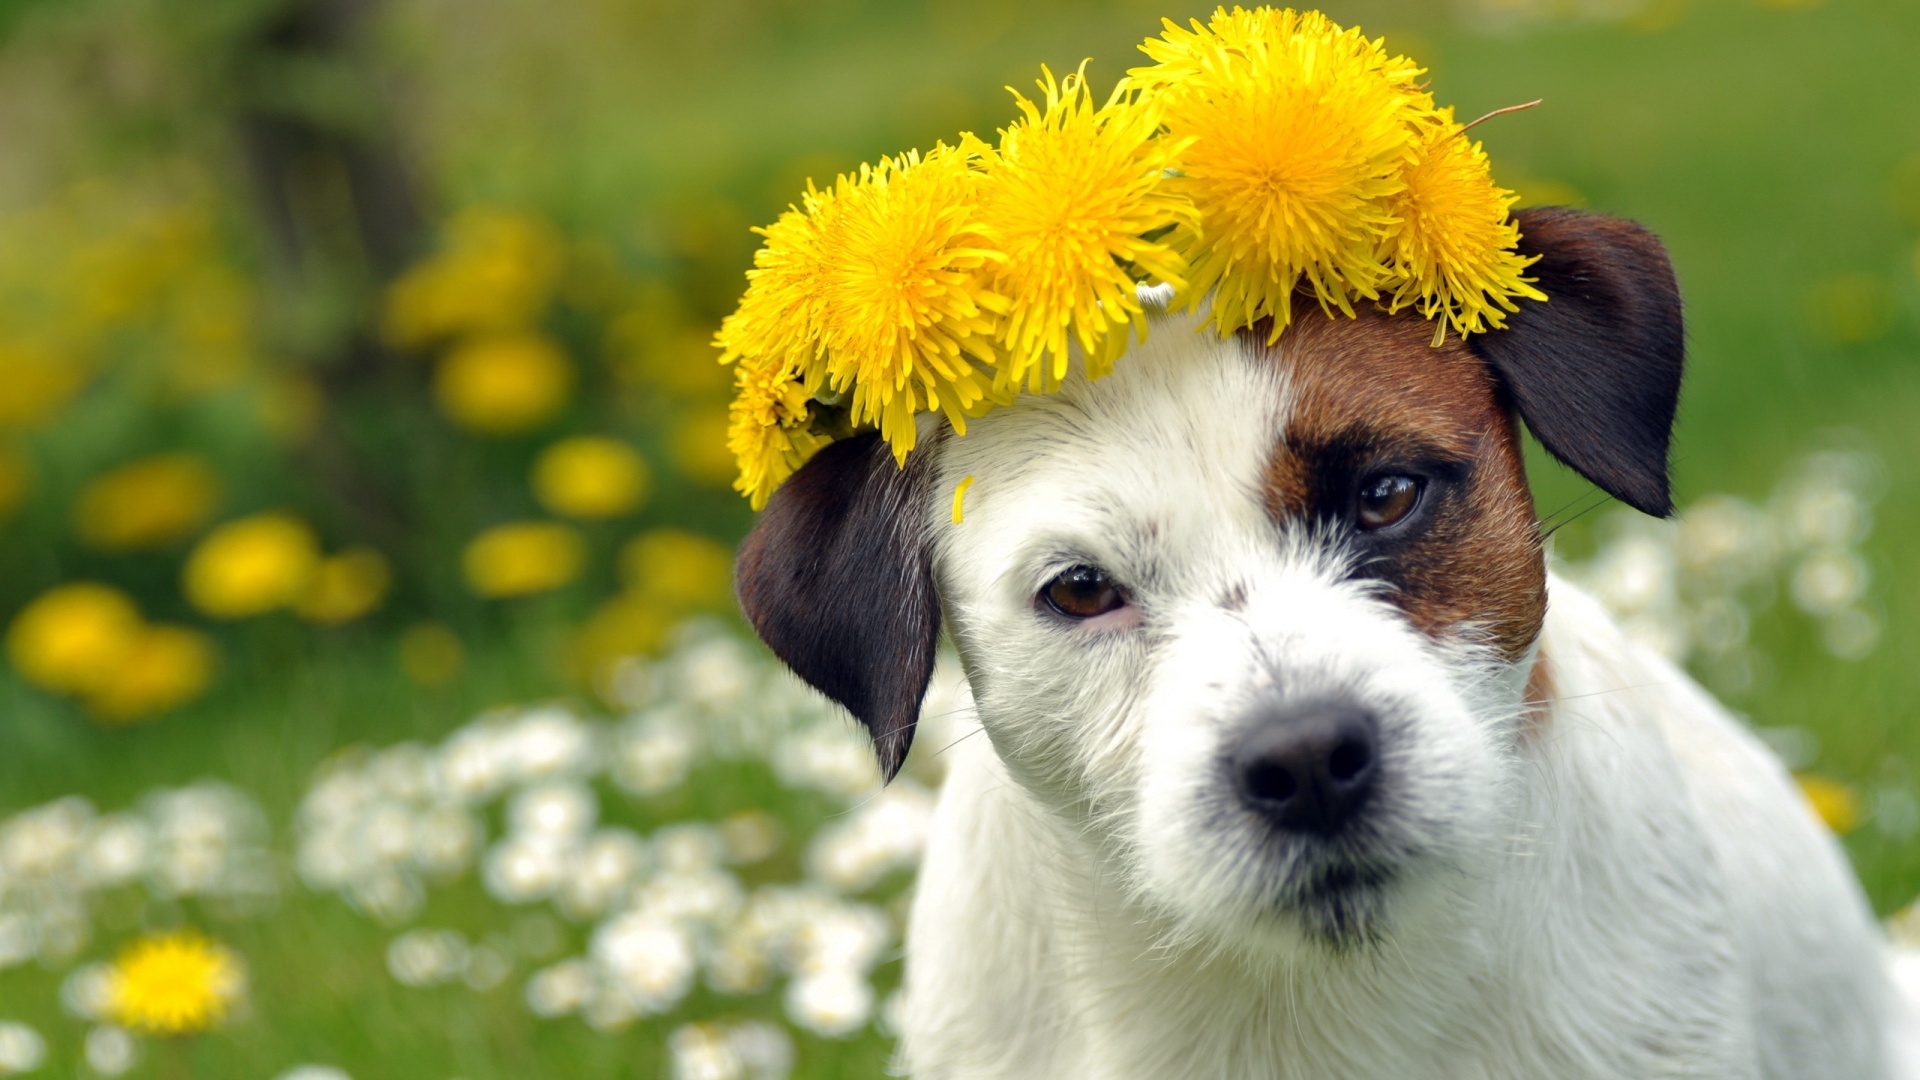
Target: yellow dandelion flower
x: 522, y: 558
x: 177, y: 983
x: 591, y: 476
x: 767, y: 429
x: 431, y: 654
x: 1453, y: 247
x: 1069, y: 198
x: 1299, y: 132
x: 163, y: 667
x: 678, y: 569
x: 907, y: 308
x: 16, y: 480
x: 503, y: 385
x: 345, y: 587
x: 73, y: 636
x: 1833, y: 802
x: 146, y: 503
x: 779, y: 319
x: 251, y: 566
x: 497, y: 271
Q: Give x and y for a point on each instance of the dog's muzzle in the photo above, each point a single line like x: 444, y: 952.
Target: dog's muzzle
x: 1308, y: 767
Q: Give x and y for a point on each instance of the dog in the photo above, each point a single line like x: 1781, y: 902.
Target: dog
x: 1298, y: 761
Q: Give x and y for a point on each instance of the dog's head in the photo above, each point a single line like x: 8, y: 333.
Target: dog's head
x: 1256, y: 619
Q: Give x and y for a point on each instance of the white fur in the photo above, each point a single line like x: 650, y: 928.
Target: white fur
x: 1627, y: 887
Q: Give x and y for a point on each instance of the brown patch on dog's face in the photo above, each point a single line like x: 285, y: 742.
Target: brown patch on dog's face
x: 1373, y: 398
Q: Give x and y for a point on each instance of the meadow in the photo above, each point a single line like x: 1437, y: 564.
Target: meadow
x: 365, y: 502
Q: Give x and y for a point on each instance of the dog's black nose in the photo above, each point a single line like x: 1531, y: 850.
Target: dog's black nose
x: 1309, y: 767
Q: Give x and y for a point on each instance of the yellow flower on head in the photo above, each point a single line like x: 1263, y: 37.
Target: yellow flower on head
x: 345, y: 587
x: 73, y: 636
x: 1069, y: 198
x: 908, y: 310
x: 163, y: 667
x: 779, y: 319
x: 523, y: 557
x: 591, y: 476
x: 177, y: 983
x: 146, y: 503
x: 251, y: 566
x: 1300, y: 131
x: 1453, y: 249
x: 767, y: 429
x: 678, y: 569
x: 503, y: 385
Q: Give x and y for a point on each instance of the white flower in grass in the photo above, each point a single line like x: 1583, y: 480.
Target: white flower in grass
x: 750, y: 836
x: 561, y: 988
x: 44, y: 841
x: 702, y: 1052
x: 338, y: 794
x: 87, y: 991
x: 888, y: 832
x: 387, y: 833
x: 446, y: 839
x: 716, y: 673
x: 1723, y: 538
x: 849, y: 938
x: 831, y: 757
x: 16, y: 939
x: 330, y: 857
x: 645, y: 959
x: 472, y: 765
x: 388, y: 897
x: 1851, y: 633
x: 765, y: 1049
x: 654, y: 752
x: 526, y: 867
x: 110, y: 1050
x: 427, y: 957
x: 739, y: 963
x: 604, y: 870
x: 406, y: 772
x: 834, y: 1003
x: 561, y: 811
x: 314, y: 1072
x: 22, y: 1049
x: 688, y: 848
x: 1828, y: 580
x: 119, y: 850
x: 548, y: 742
x: 487, y: 967
x: 711, y: 897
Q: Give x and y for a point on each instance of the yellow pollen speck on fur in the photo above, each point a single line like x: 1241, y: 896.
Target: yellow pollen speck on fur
x: 960, y: 500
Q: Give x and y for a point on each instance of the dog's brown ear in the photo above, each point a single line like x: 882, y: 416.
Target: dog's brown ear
x: 1595, y: 371
x: 837, y: 578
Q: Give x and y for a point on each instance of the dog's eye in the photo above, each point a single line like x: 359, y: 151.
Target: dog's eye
x: 1081, y: 592
x: 1386, y: 500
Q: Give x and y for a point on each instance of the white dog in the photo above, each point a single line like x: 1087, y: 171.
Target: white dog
x: 1297, y: 762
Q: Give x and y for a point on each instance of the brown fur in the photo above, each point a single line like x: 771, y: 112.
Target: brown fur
x: 1372, y: 392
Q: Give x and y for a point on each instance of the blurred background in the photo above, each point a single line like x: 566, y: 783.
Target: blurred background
x: 374, y: 703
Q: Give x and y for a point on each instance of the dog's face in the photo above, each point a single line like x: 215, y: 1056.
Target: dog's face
x: 1257, y: 620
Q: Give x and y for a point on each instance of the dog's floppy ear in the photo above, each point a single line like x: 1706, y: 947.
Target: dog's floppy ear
x: 1595, y: 371
x: 837, y: 578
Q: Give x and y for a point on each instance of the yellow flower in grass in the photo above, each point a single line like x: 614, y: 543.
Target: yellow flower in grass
x: 251, y: 566
x: 503, y: 385
x: 163, y: 667
x: 146, y: 503
x: 698, y: 443
x: 523, y: 557
x: 622, y: 626
x: 908, y: 310
x: 591, y: 476
x: 1069, y: 199
x: 16, y: 479
x: 431, y: 654
x: 497, y: 271
x: 73, y: 636
x: 1300, y: 131
x: 178, y: 983
x: 1832, y: 801
x: 345, y: 587
x: 1453, y: 249
x: 678, y: 569
x: 767, y: 429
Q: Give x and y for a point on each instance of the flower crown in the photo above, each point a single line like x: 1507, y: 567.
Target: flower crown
x: 1266, y: 153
